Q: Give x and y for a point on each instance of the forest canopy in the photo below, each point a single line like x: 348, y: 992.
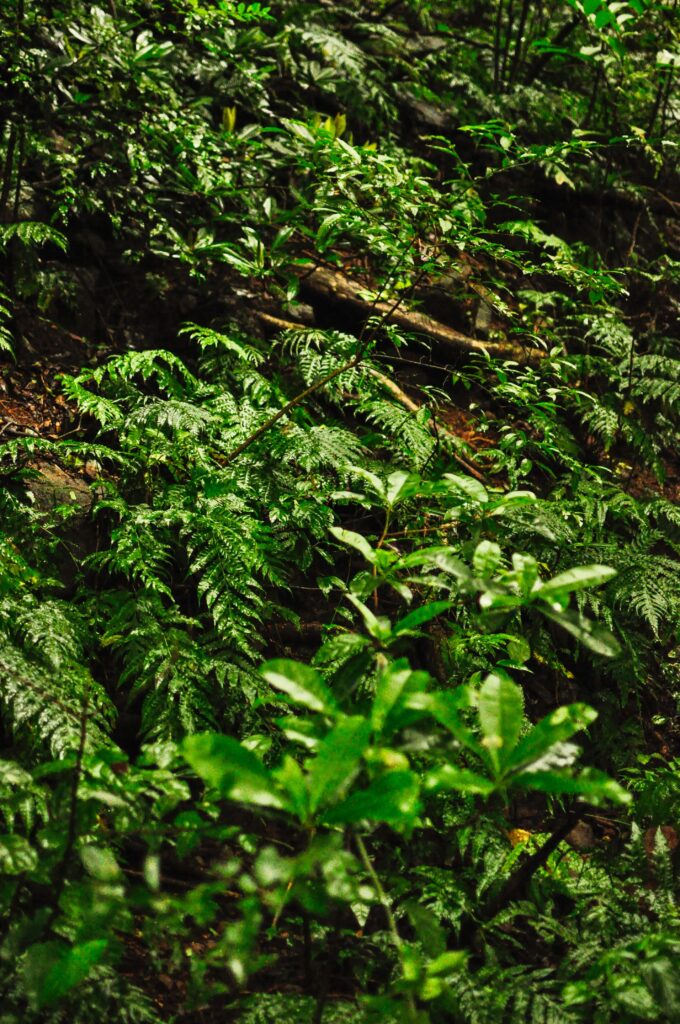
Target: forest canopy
x: 340, y: 537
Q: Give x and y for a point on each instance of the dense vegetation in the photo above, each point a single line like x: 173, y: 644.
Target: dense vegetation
x: 340, y: 549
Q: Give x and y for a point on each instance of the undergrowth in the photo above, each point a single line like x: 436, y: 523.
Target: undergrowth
x: 340, y: 679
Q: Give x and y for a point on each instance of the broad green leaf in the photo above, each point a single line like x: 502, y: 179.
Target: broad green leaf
x: 379, y: 626
x: 304, y: 731
x: 525, y: 573
x: 300, y: 130
x: 595, y: 785
x: 291, y: 778
x: 425, y: 613
x: 400, y: 486
x: 519, y: 649
x: 52, y: 969
x: 603, y: 18
x: 578, y: 578
x: 461, y: 779
x: 338, y: 756
x: 447, y: 962
x: 354, y: 540
x: 440, y: 558
x: 591, y: 634
x: 227, y: 766
x: 393, y: 798
x: 556, y: 727
x: 371, y: 478
x: 494, y: 597
x: 301, y: 682
x: 468, y: 487
x: 513, y: 499
x: 326, y: 226
x: 389, y: 688
x: 351, y: 152
x: 444, y: 706
x: 431, y: 935
x: 486, y: 559
x: 500, y: 704
x: 100, y: 863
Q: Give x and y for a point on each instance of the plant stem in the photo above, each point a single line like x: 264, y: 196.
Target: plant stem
x: 391, y: 921
x: 60, y: 881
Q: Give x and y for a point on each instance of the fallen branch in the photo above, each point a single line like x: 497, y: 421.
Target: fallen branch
x: 362, y: 345
x: 412, y: 406
x: 515, y: 886
x: 388, y: 384
x: 331, y: 284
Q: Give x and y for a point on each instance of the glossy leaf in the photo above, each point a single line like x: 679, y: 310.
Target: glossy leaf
x: 229, y: 767
x: 52, y: 969
x: 486, y: 558
x: 595, y: 786
x: 589, y: 633
x: 337, y: 759
x: 500, y: 704
x: 301, y: 682
x: 558, y: 726
x: 463, y: 780
x: 578, y: 578
x: 421, y: 615
x: 393, y: 798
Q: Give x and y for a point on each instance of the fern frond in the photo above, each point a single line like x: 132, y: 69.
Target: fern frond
x: 49, y: 706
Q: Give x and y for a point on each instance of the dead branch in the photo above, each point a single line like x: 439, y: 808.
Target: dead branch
x: 331, y: 284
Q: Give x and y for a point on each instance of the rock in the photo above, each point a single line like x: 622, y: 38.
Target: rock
x: 581, y: 838
x: 55, y: 486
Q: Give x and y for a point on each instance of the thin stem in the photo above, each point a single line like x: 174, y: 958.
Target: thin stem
x: 519, y: 40
x: 72, y: 815
x: 506, y: 42
x: 7, y: 172
x: 17, y: 184
x: 391, y: 921
x: 543, y: 59
x: 268, y: 424
x: 497, y: 45
x: 363, y: 344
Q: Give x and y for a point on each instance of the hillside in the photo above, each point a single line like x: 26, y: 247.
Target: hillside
x: 340, y: 544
